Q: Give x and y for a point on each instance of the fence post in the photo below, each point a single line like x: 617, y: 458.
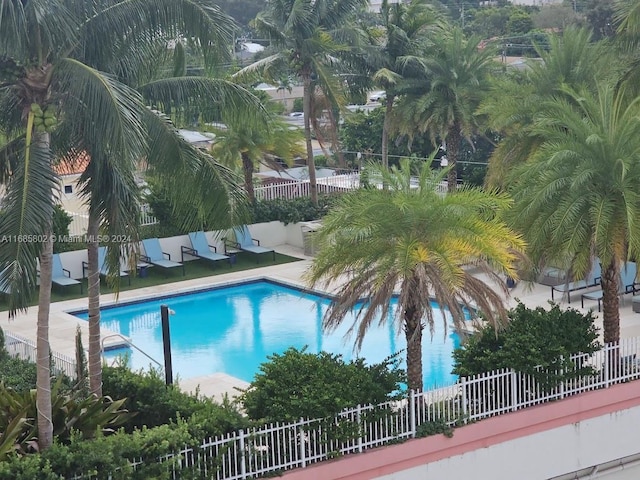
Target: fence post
x: 412, y: 412
x: 562, y: 377
x: 243, y: 466
x: 514, y: 390
x: 303, y: 452
x: 358, y: 410
x: 463, y: 399
x: 606, y: 365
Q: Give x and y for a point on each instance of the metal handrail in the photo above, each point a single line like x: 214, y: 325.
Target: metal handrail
x: 128, y: 342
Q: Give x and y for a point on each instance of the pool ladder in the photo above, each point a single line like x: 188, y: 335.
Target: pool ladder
x: 132, y: 345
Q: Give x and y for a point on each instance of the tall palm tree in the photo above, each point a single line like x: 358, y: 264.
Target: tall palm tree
x: 247, y: 143
x: 416, y: 243
x: 407, y: 31
x: 450, y: 87
x: 577, y: 196
x: 309, y: 36
x: 51, y: 62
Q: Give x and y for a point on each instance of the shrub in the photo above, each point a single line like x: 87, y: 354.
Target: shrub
x: 17, y: 374
x: 533, y: 337
x: 104, y: 457
x: 296, y: 384
x: 291, y: 210
x: 157, y: 404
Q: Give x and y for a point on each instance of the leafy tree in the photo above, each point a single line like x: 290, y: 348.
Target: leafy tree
x: 448, y: 91
x: 297, y: 384
x: 576, y: 197
x: 531, y: 338
x: 416, y: 242
x: 309, y: 36
x: 242, y: 11
x: 519, y: 22
x: 362, y: 132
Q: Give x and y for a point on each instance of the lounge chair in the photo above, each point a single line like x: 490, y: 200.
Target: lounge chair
x: 202, y: 249
x: 591, y: 280
x: 626, y: 284
x: 245, y: 243
x: 61, y: 276
x: 102, y: 265
x: 155, y: 256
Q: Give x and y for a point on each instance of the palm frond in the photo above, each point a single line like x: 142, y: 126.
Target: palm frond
x: 27, y: 211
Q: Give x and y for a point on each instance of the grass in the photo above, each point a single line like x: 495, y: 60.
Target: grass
x: 160, y: 276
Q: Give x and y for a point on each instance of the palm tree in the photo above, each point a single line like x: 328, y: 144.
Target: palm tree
x: 406, y: 36
x: 309, y: 35
x: 247, y: 143
x: 450, y: 87
x: 416, y: 243
x: 577, y: 198
x: 50, y: 68
x: 572, y: 60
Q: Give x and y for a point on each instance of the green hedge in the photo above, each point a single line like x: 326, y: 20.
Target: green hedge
x: 292, y: 210
x: 157, y: 404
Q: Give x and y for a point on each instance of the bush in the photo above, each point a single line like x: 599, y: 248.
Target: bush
x: 533, y: 337
x: 104, y: 457
x: 18, y: 374
x: 157, y: 404
x: 297, y: 384
x: 292, y: 210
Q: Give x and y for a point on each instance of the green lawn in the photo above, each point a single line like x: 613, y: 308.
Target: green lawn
x: 159, y: 276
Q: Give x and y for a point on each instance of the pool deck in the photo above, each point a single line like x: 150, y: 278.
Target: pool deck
x: 63, y: 325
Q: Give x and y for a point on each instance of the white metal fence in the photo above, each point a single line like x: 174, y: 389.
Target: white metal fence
x: 277, y: 447
x: 25, y: 349
x: 302, y: 188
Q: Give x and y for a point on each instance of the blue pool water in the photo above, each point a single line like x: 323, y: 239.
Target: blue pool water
x: 233, y: 330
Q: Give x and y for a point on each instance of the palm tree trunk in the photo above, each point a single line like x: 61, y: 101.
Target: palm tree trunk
x: 306, y: 108
x: 454, y: 139
x: 93, y: 292
x: 247, y: 168
x: 611, y: 302
x: 43, y: 361
x: 385, y: 131
x: 413, y: 334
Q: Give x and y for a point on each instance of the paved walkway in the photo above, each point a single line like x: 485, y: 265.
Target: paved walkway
x: 63, y: 325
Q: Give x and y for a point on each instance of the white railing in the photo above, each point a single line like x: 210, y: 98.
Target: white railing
x: 25, y: 349
x: 302, y: 188
x: 277, y: 447
x: 146, y: 216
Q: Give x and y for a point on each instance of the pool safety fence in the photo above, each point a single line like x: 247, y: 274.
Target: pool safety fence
x: 277, y: 447
x: 25, y: 349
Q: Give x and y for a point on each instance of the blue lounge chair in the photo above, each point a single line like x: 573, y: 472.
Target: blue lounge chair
x: 245, y: 243
x: 61, y: 276
x: 155, y: 256
x: 102, y: 266
x: 202, y: 249
x: 591, y: 280
x: 626, y: 284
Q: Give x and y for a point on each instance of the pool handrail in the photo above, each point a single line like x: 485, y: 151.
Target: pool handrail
x: 131, y: 344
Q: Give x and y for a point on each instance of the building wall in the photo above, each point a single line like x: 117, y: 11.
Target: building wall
x: 537, y: 443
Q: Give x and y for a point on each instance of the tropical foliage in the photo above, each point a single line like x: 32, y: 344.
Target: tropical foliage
x: 410, y: 240
x: 576, y: 198
x: 297, y: 384
x: 309, y: 36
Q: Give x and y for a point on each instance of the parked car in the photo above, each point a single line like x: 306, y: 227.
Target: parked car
x: 377, y: 96
x: 296, y: 114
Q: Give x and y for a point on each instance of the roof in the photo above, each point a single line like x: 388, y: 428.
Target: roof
x: 73, y: 164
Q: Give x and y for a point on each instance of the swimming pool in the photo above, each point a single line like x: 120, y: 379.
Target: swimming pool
x: 233, y: 329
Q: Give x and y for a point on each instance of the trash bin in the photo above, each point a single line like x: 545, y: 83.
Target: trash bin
x: 309, y: 242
